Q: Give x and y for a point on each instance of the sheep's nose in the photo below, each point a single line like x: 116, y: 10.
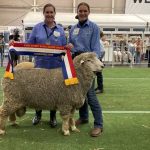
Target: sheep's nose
x: 102, y: 65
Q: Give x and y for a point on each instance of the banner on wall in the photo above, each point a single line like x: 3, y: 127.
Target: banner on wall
x: 137, y: 7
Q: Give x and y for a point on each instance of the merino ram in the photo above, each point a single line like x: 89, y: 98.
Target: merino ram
x: 45, y: 89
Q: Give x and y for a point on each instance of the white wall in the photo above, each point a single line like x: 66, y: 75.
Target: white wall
x: 12, y: 11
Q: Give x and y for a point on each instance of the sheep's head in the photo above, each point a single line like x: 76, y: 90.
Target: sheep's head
x: 89, y: 60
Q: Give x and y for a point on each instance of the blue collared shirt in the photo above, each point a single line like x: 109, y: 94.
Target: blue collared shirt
x: 85, y: 38
x: 41, y: 34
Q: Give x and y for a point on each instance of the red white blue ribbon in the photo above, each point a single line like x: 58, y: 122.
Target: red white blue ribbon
x: 68, y: 69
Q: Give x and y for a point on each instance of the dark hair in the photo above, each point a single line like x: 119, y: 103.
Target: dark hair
x: 76, y: 17
x: 1, y: 35
x: 15, y: 36
x: 16, y: 31
x: 101, y: 34
x: 49, y: 5
x: 85, y: 4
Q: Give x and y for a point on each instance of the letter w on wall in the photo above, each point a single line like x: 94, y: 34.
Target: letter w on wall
x: 137, y: 7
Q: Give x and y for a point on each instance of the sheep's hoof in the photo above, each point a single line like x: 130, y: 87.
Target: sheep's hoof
x: 66, y: 132
x: 2, y: 132
x: 15, y: 125
x: 74, y: 129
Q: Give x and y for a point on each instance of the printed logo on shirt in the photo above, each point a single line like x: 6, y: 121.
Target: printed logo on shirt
x: 76, y: 31
x: 56, y: 33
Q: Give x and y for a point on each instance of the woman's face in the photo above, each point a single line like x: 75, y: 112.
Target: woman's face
x: 49, y: 14
x: 83, y: 13
x: 103, y: 38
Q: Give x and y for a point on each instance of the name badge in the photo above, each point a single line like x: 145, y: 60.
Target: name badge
x: 56, y: 34
x: 76, y: 31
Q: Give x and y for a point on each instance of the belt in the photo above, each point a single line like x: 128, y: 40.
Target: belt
x: 76, y: 54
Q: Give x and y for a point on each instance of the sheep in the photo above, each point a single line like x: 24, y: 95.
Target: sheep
x: 20, y: 112
x: 126, y: 56
x: 117, y: 55
x: 24, y: 65
x: 45, y: 89
x: 122, y: 56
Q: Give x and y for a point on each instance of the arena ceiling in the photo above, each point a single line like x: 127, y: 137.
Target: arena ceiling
x: 12, y: 12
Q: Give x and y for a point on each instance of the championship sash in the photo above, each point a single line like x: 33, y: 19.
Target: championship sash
x: 68, y: 69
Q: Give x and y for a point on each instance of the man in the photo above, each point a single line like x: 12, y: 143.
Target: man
x: 148, y: 49
x: 14, y: 37
x: 1, y: 47
x: 100, y: 87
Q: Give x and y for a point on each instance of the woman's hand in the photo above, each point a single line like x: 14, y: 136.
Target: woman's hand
x: 69, y: 46
x: 11, y: 42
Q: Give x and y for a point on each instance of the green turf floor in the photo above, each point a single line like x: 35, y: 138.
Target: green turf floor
x: 125, y: 89
x: 121, y: 132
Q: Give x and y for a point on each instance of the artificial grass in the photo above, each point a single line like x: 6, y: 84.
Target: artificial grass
x: 121, y: 132
x: 126, y: 94
x: 125, y: 89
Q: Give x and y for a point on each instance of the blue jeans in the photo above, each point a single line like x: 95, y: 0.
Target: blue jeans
x: 95, y: 108
x: 138, y: 57
x: 99, y: 80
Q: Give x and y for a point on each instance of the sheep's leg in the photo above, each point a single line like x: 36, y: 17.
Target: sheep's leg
x: 65, y: 124
x: 20, y: 112
x: 3, y: 119
x: 8, y: 108
x: 12, y: 119
x: 72, y: 122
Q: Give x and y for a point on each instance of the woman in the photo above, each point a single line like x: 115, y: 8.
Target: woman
x: 139, y: 49
x: 84, y: 37
x: 47, y: 32
x: 131, y: 48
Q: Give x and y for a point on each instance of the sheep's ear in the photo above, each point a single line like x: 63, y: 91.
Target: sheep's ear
x: 82, y: 61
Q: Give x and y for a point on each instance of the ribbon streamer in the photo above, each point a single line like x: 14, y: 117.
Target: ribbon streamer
x: 68, y: 69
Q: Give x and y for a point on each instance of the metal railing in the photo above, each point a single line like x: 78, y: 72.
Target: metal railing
x: 116, y: 56
x: 113, y: 57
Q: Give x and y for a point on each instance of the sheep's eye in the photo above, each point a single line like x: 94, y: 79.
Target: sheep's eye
x: 88, y: 60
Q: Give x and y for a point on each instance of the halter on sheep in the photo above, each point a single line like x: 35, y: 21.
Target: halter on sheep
x: 53, y: 93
